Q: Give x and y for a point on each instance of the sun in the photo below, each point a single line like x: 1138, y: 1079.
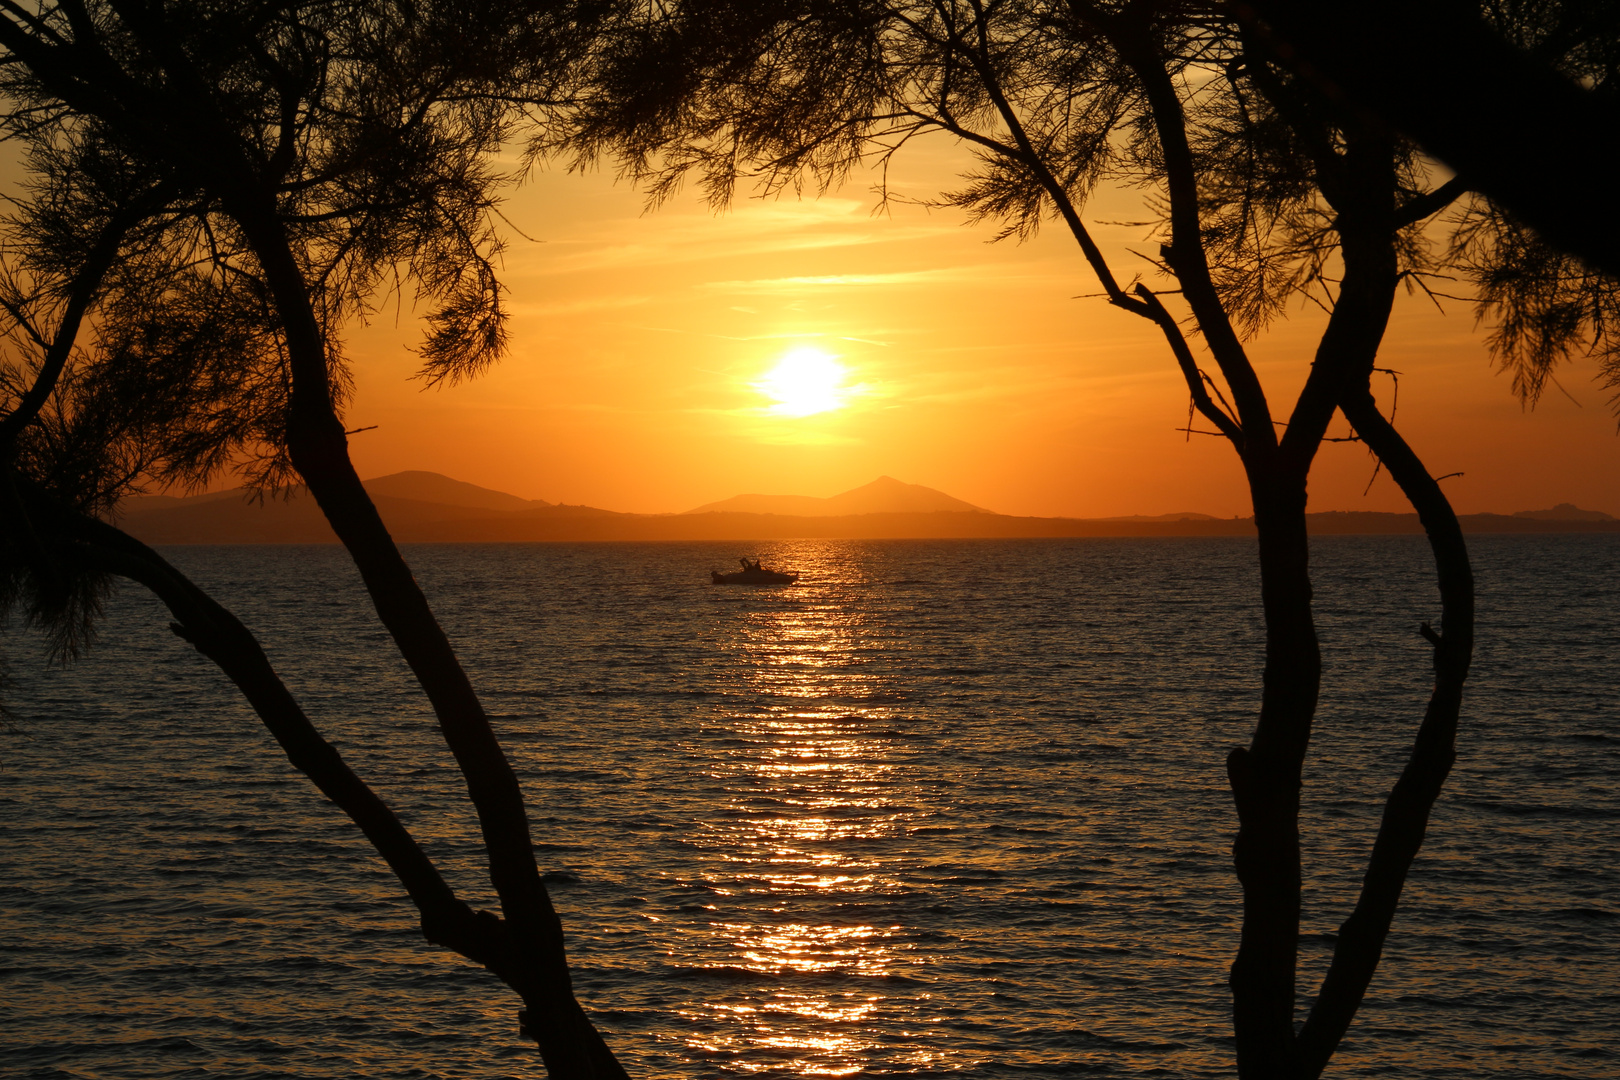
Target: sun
x: 804, y: 382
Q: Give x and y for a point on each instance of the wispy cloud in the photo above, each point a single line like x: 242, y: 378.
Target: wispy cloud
x: 784, y: 335
x: 658, y: 240
x: 978, y: 275
x: 574, y: 307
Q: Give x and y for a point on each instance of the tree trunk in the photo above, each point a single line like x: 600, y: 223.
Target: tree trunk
x: 1406, y: 811
x: 538, y: 968
x: 1265, y: 779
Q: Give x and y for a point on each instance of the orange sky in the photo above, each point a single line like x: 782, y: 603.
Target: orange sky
x: 636, y: 337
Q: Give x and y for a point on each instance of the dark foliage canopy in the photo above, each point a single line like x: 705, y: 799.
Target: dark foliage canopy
x: 786, y: 92
x: 1516, y: 96
x: 142, y: 344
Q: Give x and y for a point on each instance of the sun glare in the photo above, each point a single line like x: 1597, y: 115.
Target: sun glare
x: 804, y: 382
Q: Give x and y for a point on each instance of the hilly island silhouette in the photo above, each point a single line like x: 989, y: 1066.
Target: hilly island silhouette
x: 885, y: 495
x: 420, y: 506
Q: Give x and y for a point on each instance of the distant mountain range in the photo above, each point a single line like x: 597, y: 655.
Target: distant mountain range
x: 885, y: 495
x: 428, y: 487
x: 1564, y: 512
x: 427, y: 507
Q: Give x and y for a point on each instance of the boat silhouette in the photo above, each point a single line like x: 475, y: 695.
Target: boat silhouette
x: 754, y: 574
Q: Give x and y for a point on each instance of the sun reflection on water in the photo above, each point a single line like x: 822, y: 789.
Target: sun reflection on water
x: 813, y: 777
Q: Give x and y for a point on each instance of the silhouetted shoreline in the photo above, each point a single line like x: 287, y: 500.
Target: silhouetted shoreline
x: 298, y: 521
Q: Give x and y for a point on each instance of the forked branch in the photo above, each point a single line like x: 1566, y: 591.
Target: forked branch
x: 1406, y: 811
x: 1197, y: 382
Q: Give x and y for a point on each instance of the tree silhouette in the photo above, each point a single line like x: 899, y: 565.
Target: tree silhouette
x: 1266, y: 189
x: 215, y: 191
x: 1512, y: 96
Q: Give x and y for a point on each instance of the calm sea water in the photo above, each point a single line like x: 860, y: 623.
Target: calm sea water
x: 945, y: 808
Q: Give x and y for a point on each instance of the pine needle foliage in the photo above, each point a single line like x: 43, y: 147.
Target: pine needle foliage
x: 788, y: 95
x: 141, y: 347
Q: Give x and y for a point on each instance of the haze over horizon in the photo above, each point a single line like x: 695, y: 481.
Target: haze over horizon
x: 885, y: 494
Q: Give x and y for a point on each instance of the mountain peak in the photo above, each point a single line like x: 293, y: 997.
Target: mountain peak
x: 437, y: 488
x: 885, y: 495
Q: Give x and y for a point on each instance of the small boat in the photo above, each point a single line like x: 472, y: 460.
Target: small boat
x: 753, y: 574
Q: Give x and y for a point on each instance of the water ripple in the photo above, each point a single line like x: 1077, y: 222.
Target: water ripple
x: 945, y: 809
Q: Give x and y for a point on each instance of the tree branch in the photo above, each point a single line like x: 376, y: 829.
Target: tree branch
x: 1406, y: 811
x: 1431, y: 202
x: 1027, y: 156
x: 220, y: 636
x: 1185, y: 253
x: 1195, y: 379
x: 81, y: 290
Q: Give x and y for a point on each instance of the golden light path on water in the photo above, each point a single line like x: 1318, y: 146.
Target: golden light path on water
x: 811, y: 779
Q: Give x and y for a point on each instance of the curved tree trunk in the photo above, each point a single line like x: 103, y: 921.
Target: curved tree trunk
x: 1406, y: 811
x: 215, y: 632
x: 1267, y: 776
x: 538, y: 968
x: 176, y: 123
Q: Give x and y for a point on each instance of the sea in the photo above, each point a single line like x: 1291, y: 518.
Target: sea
x: 944, y: 808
